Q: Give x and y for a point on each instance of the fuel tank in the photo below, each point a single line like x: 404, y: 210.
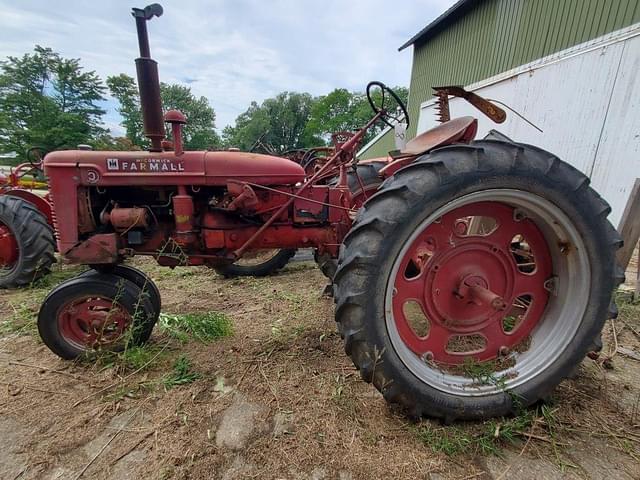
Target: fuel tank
x: 165, y: 168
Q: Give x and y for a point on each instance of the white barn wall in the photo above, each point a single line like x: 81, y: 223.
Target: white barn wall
x: 586, y: 102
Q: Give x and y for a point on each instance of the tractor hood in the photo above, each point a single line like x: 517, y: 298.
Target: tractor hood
x: 165, y: 168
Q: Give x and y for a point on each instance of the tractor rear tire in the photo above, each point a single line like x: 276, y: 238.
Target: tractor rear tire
x: 270, y: 266
x: 413, y: 236
x: 369, y: 174
x: 90, y: 313
x: 29, y: 238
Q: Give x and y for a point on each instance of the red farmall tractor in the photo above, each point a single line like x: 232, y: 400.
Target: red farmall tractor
x: 472, y: 256
x: 27, y: 243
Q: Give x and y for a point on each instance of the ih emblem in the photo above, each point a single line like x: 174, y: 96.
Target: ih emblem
x: 112, y: 164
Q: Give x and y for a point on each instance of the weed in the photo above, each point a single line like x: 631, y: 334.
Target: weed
x: 138, y: 357
x: 132, y: 358
x: 483, y: 373
x: 486, y: 438
x: 181, y: 374
x: 450, y: 441
x: 178, y: 272
x: 58, y: 274
x: 23, y: 319
x: 204, y: 327
x: 509, y: 322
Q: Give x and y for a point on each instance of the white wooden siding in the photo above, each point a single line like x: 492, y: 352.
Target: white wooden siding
x: 586, y: 100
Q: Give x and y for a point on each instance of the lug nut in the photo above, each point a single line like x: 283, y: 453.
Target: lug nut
x: 427, y: 357
x: 504, y: 351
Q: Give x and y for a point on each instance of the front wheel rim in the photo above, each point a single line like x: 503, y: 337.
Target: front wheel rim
x: 465, y: 282
x: 92, y: 322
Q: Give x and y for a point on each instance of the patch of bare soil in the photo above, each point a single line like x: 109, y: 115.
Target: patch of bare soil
x: 277, y: 399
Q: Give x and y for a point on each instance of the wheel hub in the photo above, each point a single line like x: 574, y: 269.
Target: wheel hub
x: 93, y: 321
x: 480, y: 288
x: 9, y: 251
x: 463, y: 284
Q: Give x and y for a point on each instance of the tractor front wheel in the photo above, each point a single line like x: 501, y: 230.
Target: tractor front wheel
x: 95, y: 312
x: 476, y: 280
x: 27, y: 243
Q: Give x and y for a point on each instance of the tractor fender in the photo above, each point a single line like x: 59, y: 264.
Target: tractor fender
x: 41, y: 203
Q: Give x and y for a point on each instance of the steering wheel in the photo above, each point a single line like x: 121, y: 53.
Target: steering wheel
x: 390, y: 112
x: 35, y: 156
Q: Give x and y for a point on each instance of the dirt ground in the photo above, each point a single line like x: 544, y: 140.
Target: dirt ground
x: 278, y: 399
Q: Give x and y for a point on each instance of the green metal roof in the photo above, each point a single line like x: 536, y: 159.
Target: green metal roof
x: 450, y: 15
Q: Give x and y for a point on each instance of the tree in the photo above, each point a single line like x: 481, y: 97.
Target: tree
x: 48, y: 101
x: 123, y: 88
x: 279, y: 122
x: 342, y: 110
x: 199, y: 132
x: 107, y: 142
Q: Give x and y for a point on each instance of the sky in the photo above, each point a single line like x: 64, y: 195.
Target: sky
x: 232, y: 52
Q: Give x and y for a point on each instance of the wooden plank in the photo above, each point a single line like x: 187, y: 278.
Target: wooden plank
x: 629, y: 226
x: 636, y: 294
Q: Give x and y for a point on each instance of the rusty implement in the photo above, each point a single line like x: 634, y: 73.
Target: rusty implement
x: 492, y: 111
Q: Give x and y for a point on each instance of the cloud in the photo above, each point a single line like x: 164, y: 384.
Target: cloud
x: 231, y: 51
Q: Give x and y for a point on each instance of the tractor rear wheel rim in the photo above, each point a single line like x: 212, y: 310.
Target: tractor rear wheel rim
x: 9, y: 251
x: 470, y: 281
x: 93, y: 321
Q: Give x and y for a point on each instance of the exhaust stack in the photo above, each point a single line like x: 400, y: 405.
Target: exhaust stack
x: 148, y: 82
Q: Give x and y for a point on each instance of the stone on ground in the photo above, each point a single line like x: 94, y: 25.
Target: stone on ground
x: 240, y: 423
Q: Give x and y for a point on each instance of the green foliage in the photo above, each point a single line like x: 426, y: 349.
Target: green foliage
x: 199, y: 132
x: 181, y: 374
x: 124, y: 89
x: 280, y: 121
x: 48, y: 101
x: 297, y: 120
x: 204, y: 327
x: 342, y: 110
x: 107, y: 142
x: 133, y: 357
x: 486, y: 438
x: 21, y: 322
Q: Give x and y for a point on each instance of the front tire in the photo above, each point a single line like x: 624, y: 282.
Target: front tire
x: 90, y: 313
x: 475, y: 280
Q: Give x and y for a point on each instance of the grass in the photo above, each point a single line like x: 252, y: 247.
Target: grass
x: 483, y: 373
x: 131, y: 358
x: 628, y: 308
x: 26, y: 301
x: 181, y: 374
x: 204, y: 327
x: 486, y: 438
x: 21, y: 322
x: 59, y: 273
